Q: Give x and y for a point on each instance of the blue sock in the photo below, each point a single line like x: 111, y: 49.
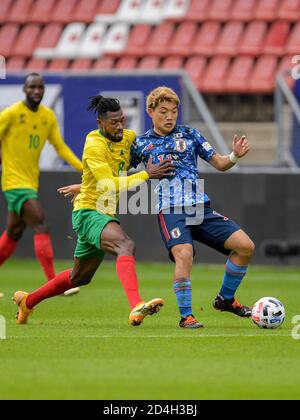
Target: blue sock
x: 233, y: 277
x: 183, y: 291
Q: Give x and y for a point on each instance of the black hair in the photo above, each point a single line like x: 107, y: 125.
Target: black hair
x: 101, y: 105
x: 32, y: 74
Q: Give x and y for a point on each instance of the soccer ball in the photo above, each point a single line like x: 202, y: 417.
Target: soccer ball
x: 268, y: 312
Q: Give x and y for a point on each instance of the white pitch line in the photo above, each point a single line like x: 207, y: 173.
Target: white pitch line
x: 149, y: 336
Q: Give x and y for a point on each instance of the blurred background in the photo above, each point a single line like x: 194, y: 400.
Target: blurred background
x: 235, y: 65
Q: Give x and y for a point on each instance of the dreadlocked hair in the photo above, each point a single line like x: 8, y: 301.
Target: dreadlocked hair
x: 101, y: 105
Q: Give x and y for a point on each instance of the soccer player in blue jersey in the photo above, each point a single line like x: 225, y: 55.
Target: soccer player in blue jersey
x: 177, y: 197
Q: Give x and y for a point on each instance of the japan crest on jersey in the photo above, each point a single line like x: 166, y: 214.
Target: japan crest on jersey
x: 180, y: 145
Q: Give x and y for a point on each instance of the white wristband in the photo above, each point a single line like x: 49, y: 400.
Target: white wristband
x: 233, y: 158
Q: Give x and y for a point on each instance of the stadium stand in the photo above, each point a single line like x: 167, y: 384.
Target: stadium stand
x: 104, y: 63
x: 262, y: 79
x: 276, y: 38
x: 129, y: 11
x: 172, y: 63
x: 36, y: 64
x: 198, y: 10
x: 293, y: 45
x: 26, y: 41
x: 41, y: 11
x: 195, y: 67
x: 20, y: 11
x: 126, y: 63
x: 4, y: 10
x: 238, y: 76
x: 243, y: 10
x: 8, y: 36
x: 206, y: 39
x: 160, y: 39
x: 85, y: 11
x: 289, y: 10
x: 69, y: 42
x: 266, y: 10
x: 222, y: 44
x: 138, y: 39
x: 149, y: 63
x: 48, y: 40
x: 81, y: 64
x: 15, y: 64
x: 183, y: 39
x: 91, y: 43
x: 220, y: 10
x: 63, y: 11
x: 229, y: 39
x: 176, y: 10
x: 254, y: 35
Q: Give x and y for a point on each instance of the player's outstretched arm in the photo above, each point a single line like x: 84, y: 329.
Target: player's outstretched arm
x: 240, y: 147
x: 66, y: 154
x: 70, y: 190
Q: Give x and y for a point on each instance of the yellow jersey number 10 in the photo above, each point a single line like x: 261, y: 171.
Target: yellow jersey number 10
x: 34, y: 141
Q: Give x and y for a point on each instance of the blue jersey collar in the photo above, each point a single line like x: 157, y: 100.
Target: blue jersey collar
x: 152, y: 133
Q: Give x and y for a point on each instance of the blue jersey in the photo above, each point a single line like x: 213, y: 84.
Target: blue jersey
x: 183, y: 146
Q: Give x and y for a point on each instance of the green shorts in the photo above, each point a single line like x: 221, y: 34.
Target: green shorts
x: 89, y: 224
x: 16, y: 198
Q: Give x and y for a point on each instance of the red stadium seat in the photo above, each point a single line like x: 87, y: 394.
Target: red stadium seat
x: 4, y: 10
x: 183, y: 39
x: 172, y: 63
x: 58, y: 64
x: 8, y: 35
x: 138, y: 39
x: 293, y: 44
x: 276, y: 38
x: 41, y: 11
x: 263, y: 76
x: 63, y: 11
x: 195, y: 67
x: 286, y: 66
x: 149, y: 63
x: 230, y: 38
x: 81, y: 64
x: 20, y: 11
x: 220, y: 10
x: 213, y: 80
x: 85, y: 11
x: 252, y: 41
x: 289, y: 10
x: 104, y: 63
x: 36, y: 64
x: 238, y: 76
x: 107, y: 7
x: 126, y: 63
x: 160, y: 40
x: 26, y: 41
x: 50, y: 35
x: 206, y: 39
x: 198, y: 10
x: 243, y: 10
x: 15, y: 64
x: 266, y: 10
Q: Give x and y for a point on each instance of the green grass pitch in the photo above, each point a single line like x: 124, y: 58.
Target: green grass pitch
x: 81, y: 347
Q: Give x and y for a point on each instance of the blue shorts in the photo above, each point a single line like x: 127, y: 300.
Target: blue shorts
x: 213, y: 231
